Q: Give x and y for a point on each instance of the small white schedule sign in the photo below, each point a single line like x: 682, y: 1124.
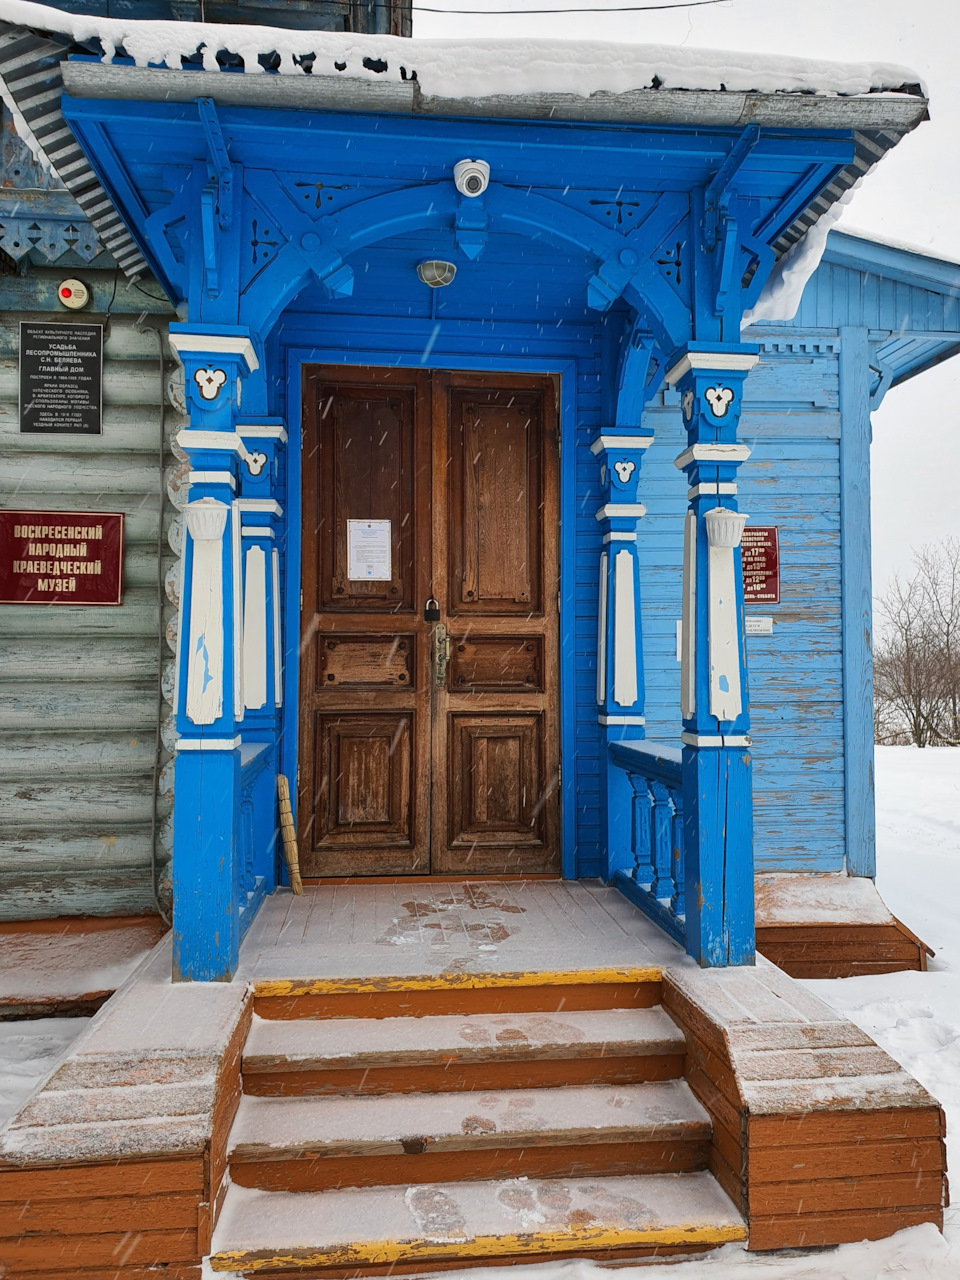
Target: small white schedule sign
x: 368, y: 551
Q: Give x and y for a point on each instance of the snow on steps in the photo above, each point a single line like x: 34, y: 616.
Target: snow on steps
x: 423, y: 1165
x: 397, y: 1124
x: 484, y: 1051
x: 484, y: 1221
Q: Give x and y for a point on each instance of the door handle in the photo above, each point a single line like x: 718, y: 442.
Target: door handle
x: 441, y: 655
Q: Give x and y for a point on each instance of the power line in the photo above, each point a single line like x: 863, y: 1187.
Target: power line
x: 515, y: 13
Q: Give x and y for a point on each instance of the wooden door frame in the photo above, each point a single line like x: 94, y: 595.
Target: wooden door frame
x: 567, y: 371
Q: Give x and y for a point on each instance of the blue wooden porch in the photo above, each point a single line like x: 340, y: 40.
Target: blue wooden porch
x: 634, y: 304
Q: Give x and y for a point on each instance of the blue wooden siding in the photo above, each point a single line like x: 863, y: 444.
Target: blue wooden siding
x: 791, y: 422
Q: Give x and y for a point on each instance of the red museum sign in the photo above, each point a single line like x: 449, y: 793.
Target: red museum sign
x: 760, y: 552
x: 61, y: 557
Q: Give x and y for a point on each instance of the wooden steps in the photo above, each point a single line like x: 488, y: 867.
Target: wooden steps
x: 441, y: 1054
x: 298, y: 1144
x: 525, y: 991
x: 476, y: 1132
x: 509, y: 1220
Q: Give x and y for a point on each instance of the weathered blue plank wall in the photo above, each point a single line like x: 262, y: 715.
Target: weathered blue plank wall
x: 791, y: 422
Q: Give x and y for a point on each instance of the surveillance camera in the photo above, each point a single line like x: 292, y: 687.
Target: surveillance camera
x: 472, y: 177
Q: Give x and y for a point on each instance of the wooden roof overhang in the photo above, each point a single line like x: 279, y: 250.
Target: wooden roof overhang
x: 909, y: 300
x: 734, y: 178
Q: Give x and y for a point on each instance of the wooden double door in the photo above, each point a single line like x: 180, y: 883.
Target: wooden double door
x: 429, y: 700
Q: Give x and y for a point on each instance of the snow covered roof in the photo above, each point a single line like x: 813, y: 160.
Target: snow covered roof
x: 519, y: 79
x: 459, y: 69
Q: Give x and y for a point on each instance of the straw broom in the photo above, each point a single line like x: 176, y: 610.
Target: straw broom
x: 288, y: 834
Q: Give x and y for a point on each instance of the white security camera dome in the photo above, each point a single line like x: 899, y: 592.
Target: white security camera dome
x: 471, y: 176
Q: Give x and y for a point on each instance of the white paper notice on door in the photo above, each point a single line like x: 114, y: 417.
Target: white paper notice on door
x: 369, y: 556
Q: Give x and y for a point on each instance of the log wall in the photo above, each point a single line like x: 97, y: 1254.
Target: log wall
x: 78, y: 686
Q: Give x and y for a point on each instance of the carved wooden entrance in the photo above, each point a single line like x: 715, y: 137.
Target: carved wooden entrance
x: 429, y: 699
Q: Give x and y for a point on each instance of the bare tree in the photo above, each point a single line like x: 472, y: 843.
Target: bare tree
x: 917, y: 657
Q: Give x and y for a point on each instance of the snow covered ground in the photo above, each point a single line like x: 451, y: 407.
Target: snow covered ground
x: 914, y: 1016
x: 28, y: 1050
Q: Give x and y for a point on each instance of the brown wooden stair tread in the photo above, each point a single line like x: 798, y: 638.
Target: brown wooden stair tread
x: 292, y: 1128
x: 478, y: 1221
x: 317, y: 1044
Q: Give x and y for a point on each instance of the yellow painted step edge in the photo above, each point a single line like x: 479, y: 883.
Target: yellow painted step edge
x: 453, y: 981
x: 386, y: 1251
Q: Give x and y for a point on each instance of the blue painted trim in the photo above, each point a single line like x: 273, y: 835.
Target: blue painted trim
x: 653, y: 760
x: 856, y: 603
x: 908, y: 266
x: 296, y: 357
x: 567, y: 516
x: 650, y: 906
x: 290, y: 578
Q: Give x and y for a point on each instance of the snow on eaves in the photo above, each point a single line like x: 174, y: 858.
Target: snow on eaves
x: 465, y: 68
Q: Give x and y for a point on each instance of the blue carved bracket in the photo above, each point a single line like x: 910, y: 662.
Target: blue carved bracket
x: 885, y: 375
x: 716, y: 200
x: 641, y: 370
x: 221, y: 170
x: 217, y: 197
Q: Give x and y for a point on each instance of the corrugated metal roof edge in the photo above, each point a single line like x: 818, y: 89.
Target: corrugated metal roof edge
x: 26, y: 60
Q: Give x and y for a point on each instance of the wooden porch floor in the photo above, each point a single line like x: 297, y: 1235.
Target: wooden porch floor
x: 437, y: 928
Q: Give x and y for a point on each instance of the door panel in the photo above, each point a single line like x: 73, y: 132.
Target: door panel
x: 367, y: 448
x: 497, y: 778
x: 496, y: 664
x: 417, y: 755
x: 496, y: 801
x: 495, y: 445
x: 364, y: 769
x: 364, y: 779
x: 367, y: 662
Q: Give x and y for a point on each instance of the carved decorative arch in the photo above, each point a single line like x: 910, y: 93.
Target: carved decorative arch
x: 622, y: 265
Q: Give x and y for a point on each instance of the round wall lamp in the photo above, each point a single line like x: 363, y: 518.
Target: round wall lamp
x: 436, y: 273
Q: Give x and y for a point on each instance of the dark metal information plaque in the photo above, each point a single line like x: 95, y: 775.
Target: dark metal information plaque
x: 61, y: 557
x: 61, y: 378
x: 760, y: 551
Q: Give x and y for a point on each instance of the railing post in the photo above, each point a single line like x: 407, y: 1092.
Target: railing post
x: 642, y: 829
x: 717, y: 789
x: 679, y: 903
x: 208, y: 871
x: 662, y: 841
x: 620, y: 691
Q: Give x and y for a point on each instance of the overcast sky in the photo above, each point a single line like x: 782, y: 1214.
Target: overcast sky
x: 913, y: 195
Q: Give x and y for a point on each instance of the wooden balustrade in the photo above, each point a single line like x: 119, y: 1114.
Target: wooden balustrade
x: 645, y: 821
